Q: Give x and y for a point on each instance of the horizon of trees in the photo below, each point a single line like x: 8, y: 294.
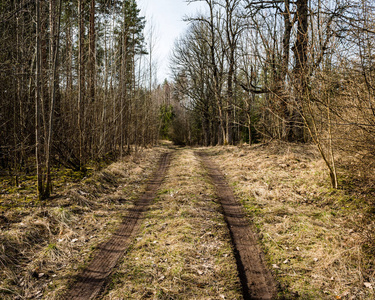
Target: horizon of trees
x: 77, y: 81
x: 76, y: 85
x: 296, y: 71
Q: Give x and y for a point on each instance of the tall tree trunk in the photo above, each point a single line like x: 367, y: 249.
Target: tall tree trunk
x: 215, y: 76
x: 16, y: 116
x: 300, y: 71
x: 69, y: 61
x: 230, y: 5
x: 123, y: 92
x: 229, y: 121
x: 44, y: 67
x: 55, y: 40
x: 81, y: 79
x: 92, y: 36
x: 281, y: 81
x: 124, y: 134
x: 37, y: 103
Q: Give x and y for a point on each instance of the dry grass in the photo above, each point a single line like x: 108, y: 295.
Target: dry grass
x: 318, y: 241
x: 184, y: 249
x: 313, y: 236
x: 44, y: 245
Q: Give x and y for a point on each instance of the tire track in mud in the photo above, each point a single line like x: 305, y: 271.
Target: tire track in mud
x: 257, y: 282
x: 94, y: 277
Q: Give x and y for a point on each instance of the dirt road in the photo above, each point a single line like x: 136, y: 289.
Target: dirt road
x: 256, y: 281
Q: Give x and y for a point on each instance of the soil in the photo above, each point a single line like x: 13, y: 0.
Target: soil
x: 93, y: 278
x: 256, y: 280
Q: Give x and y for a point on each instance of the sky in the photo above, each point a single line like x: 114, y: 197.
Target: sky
x: 167, y: 19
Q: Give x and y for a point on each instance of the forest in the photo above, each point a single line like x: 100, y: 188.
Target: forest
x: 79, y: 92
x: 75, y: 85
x: 78, y: 80
x: 296, y: 71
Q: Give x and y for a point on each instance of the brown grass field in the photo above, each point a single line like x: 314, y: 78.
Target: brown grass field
x: 318, y: 242
x: 44, y: 244
x: 316, y: 239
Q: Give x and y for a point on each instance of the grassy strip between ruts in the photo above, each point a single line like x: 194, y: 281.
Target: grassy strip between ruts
x: 184, y: 249
x: 43, y: 246
x: 312, y: 235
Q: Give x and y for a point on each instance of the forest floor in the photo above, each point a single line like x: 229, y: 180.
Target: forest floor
x: 317, y: 242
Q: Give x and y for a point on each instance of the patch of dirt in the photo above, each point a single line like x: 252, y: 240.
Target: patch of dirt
x: 93, y: 278
x: 257, y: 281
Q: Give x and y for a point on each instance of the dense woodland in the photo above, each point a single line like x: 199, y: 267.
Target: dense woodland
x: 75, y: 84
x: 77, y: 80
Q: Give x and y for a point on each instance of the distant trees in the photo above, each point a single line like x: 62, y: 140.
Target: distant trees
x: 291, y: 70
x: 73, y: 86
x: 204, y: 64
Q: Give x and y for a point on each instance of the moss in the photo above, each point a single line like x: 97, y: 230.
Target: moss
x: 165, y: 191
x: 52, y: 246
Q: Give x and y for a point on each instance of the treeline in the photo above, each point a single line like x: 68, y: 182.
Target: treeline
x: 75, y: 84
x: 297, y: 71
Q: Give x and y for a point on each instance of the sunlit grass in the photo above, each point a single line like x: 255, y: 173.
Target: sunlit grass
x: 43, y: 245
x: 311, y: 233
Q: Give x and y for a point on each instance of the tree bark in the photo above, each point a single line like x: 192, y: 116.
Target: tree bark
x: 92, y: 64
x: 283, y: 94
x: 221, y: 132
x: 37, y: 104
x: 55, y: 54
x: 81, y: 79
x: 300, y: 71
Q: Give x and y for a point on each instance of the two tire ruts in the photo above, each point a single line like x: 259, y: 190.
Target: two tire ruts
x: 256, y: 280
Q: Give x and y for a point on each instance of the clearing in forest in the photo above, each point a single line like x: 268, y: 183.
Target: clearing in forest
x: 90, y: 282
x: 318, y: 241
x: 45, y: 244
x: 257, y: 282
x: 184, y: 249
